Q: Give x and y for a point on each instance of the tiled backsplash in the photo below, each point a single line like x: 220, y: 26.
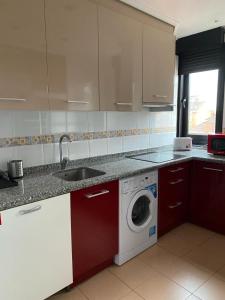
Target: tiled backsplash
x: 102, y: 133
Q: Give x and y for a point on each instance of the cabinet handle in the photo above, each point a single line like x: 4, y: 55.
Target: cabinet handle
x: 29, y: 211
x: 124, y: 103
x: 156, y: 105
x: 176, y: 205
x: 177, y: 181
x: 160, y: 96
x: 90, y: 196
x: 212, y: 169
x: 176, y: 170
x: 13, y: 99
x: 76, y: 101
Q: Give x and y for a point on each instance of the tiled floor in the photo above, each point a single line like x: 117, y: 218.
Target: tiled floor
x: 187, y: 263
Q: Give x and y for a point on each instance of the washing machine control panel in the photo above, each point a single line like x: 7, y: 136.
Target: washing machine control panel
x: 135, y: 183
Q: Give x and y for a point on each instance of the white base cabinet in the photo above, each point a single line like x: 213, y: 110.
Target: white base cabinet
x: 35, y: 249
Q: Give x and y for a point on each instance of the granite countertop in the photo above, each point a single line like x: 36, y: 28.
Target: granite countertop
x: 38, y: 182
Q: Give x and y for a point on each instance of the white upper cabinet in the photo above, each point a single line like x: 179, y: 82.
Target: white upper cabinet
x: 158, y: 64
x: 72, y: 54
x: 120, y: 61
x: 23, y: 71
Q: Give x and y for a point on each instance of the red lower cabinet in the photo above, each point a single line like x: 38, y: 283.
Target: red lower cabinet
x: 173, y: 196
x: 207, y: 203
x: 94, y: 216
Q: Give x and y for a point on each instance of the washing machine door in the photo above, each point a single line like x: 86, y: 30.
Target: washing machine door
x: 140, y: 211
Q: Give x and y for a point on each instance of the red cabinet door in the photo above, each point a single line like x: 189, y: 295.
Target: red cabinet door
x: 94, y: 213
x: 173, y: 196
x: 207, y: 204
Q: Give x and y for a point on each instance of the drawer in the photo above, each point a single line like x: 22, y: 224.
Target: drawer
x: 173, y: 179
x: 173, y: 196
x: 210, y: 167
x: 174, y: 172
x: 102, y: 191
x: 171, y: 217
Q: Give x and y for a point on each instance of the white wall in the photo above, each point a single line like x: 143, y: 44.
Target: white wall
x: 30, y: 123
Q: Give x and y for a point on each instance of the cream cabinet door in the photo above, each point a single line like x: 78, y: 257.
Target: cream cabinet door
x: 158, y: 65
x: 23, y: 69
x: 120, y: 61
x: 72, y: 54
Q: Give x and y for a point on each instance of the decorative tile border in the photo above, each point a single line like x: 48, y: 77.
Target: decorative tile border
x: 78, y: 136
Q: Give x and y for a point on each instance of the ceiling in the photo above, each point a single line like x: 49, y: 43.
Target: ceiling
x: 188, y: 16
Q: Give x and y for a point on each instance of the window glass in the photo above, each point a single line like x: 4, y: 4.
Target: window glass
x: 202, y: 102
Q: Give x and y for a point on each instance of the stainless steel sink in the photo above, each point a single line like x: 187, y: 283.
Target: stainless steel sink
x: 78, y: 174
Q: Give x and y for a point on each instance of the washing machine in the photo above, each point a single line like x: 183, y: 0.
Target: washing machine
x: 138, y: 210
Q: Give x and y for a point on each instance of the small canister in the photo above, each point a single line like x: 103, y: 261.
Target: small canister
x: 15, y: 169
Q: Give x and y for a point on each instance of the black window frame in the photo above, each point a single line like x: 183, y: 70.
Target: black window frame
x: 183, y: 105
x: 201, y: 52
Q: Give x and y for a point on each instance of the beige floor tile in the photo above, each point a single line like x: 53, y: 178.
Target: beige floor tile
x: 175, y: 244
x: 132, y: 296
x: 191, y: 277
x: 221, y: 274
x: 219, y: 236
x: 74, y: 294
x: 194, y: 233
x: 161, y: 288
x: 183, y: 260
x: 185, y: 238
x: 178, y: 269
x: 104, y: 286
x: 193, y: 297
x: 209, y: 255
x: 151, y: 251
x: 148, y: 254
x: 214, y: 289
x: 133, y: 272
x: 162, y: 261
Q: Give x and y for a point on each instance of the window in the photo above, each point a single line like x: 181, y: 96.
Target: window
x: 200, y: 104
x: 203, y: 90
x: 201, y: 84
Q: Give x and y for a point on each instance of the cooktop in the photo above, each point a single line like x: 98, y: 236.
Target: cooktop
x: 157, y: 157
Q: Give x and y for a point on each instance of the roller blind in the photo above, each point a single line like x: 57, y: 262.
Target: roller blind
x: 201, y: 52
x: 201, y: 61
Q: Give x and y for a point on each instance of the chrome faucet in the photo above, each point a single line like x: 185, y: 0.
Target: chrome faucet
x: 63, y: 160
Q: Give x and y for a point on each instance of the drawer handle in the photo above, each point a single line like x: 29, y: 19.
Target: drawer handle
x: 212, y: 169
x: 29, y: 211
x: 177, y: 181
x: 176, y: 170
x: 90, y: 196
x: 176, y: 205
x: 76, y: 101
x: 124, y: 103
x: 13, y: 99
x: 160, y: 96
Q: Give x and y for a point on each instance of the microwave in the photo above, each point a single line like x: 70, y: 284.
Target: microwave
x: 216, y: 144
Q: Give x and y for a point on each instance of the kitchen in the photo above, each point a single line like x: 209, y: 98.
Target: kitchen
x: 112, y: 150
